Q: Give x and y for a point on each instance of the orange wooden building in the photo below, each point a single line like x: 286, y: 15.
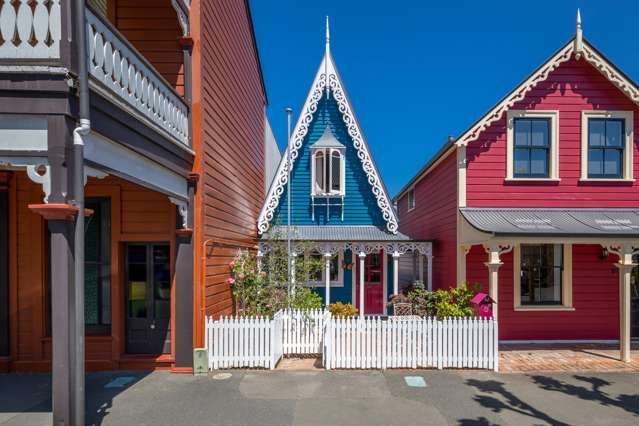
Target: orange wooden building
x: 174, y: 167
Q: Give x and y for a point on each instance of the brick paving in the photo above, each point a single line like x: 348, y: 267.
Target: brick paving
x: 564, y: 358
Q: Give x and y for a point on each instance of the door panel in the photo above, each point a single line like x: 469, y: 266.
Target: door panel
x: 373, y: 284
x: 148, y: 298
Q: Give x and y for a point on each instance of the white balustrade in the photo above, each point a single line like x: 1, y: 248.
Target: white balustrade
x: 30, y: 29
x: 124, y: 72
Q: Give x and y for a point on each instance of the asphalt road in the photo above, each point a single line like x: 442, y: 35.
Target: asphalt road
x: 335, y: 398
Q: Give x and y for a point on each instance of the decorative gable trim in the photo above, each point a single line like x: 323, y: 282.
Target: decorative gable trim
x: 327, y: 74
x: 578, y: 48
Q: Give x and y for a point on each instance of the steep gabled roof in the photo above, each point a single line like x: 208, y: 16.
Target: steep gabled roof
x: 327, y: 80
x: 579, y: 48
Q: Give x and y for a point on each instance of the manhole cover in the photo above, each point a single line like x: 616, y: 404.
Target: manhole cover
x: 415, y: 381
x: 222, y: 376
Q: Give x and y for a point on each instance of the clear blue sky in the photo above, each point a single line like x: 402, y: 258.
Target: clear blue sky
x: 418, y: 71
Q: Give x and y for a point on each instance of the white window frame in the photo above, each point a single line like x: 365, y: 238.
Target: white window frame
x: 553, y: 165
x: 340, y: 271
x: 408, y: 199
x: 566, y: 282
x: 628, y: 151
x: 328, y: 152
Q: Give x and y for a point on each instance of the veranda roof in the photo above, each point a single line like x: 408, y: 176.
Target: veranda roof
x: 557, y: 221
x: 335, y: 233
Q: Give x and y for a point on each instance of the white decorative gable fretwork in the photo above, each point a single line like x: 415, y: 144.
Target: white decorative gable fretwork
x: 327, y: 80
x: 578, y: 48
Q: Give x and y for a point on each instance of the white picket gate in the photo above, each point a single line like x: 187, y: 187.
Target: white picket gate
x: 303, y: 330
x: 411, y: 342
x: 234, y: 342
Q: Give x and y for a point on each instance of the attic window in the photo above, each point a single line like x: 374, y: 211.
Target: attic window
x: 328, y: 166
x: 328, y: 172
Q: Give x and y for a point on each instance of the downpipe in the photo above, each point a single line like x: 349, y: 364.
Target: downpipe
x: 78, y: 289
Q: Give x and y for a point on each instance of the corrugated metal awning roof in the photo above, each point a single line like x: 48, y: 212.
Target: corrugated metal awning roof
x: 561, y: 221
x: 335, y: 233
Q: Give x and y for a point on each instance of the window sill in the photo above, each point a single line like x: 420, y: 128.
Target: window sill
x: 323, y: 285
x: 544, y: 308
x: 603, y: 180
x: 328, y: 195
x: 534, y: 180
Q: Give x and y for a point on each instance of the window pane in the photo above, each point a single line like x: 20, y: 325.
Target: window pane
x: 612, y: 162
x: 595, y: 162
x: 336, y: 169
x: 91, y: 293
x: 92, y: 234
x: 335, y: 268
x: 318, y: 266
x: 539, y: 132
x: 596, y: 132
x: 521, y: 165
x: 522, y: 132
x: 539, y: 162
x: 541, y: 270
x: 614, y: 133
x: 319, y: 172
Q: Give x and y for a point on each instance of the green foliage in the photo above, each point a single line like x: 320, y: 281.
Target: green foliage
x: 342, y: 310
x: 305, y: 298
x: 454, y: 302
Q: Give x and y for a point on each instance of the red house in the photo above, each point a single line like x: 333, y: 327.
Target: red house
x: 538, y: 202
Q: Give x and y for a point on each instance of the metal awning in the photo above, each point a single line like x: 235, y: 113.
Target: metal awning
x: 335, y: 233
x: 554, y: 222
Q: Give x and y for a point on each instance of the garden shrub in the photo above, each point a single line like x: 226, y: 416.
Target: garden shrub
x: 342, y: 310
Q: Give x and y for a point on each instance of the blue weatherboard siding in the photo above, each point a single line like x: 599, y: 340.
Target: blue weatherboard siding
x: 360, y: 205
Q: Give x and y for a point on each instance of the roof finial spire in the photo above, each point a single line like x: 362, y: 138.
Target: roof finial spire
x: 578, y: 37
x: 328, y: 35
x: 326, y: 56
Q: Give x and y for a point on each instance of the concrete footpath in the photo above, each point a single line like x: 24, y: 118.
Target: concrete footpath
x: 335, y: 398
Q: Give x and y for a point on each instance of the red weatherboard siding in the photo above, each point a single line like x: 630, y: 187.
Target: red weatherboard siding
x: 595, y: 289
x: 571, y: 88
x: 435, y: 218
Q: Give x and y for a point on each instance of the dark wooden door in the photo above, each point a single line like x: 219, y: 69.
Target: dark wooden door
x: 4, y: 274
x: 373, y: 284
x: 148, y: 298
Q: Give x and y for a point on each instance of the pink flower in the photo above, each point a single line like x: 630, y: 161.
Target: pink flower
x: 232, y: 264
x: 241, y: 276
x: 231, y: 280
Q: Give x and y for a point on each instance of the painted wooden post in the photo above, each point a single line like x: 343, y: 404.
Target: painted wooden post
x: 420, y: 267
x: 327, y: 273
x: 494, y: 262
x: 429, y: 259
x: 362, y: 258
x: 395, y: 273
x: 292, y: 277
x: 625, y: 265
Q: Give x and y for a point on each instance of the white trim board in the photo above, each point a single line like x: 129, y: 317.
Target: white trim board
x: 129, y: 165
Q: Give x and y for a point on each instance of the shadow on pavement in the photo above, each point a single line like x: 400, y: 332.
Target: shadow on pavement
x: 591, y: 392
x: 507, y: 402
x: 31, y: 393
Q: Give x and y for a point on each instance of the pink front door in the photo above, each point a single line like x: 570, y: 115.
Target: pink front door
x: 373, y: 284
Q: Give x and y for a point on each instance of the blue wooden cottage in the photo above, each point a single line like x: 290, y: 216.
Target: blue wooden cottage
x: 339, y: 207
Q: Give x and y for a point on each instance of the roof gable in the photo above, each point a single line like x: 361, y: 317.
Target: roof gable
x: 327, y: 80
x: 578, y: 48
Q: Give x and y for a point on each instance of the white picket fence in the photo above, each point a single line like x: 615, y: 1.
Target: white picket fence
x: 352, y: 343
x: 303, y: 331
x: 411, y: 342
x: 234, y: 342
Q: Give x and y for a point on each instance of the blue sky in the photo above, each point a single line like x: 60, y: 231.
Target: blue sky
x: 418, y: 71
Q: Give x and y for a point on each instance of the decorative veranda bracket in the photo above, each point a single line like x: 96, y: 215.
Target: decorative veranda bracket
x: 625, y: 251
x: 423, y: 248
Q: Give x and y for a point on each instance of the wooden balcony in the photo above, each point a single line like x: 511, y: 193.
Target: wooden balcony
x: 33, y: 37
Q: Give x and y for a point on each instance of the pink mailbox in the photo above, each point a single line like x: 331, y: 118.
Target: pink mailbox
x: 483, y: 305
